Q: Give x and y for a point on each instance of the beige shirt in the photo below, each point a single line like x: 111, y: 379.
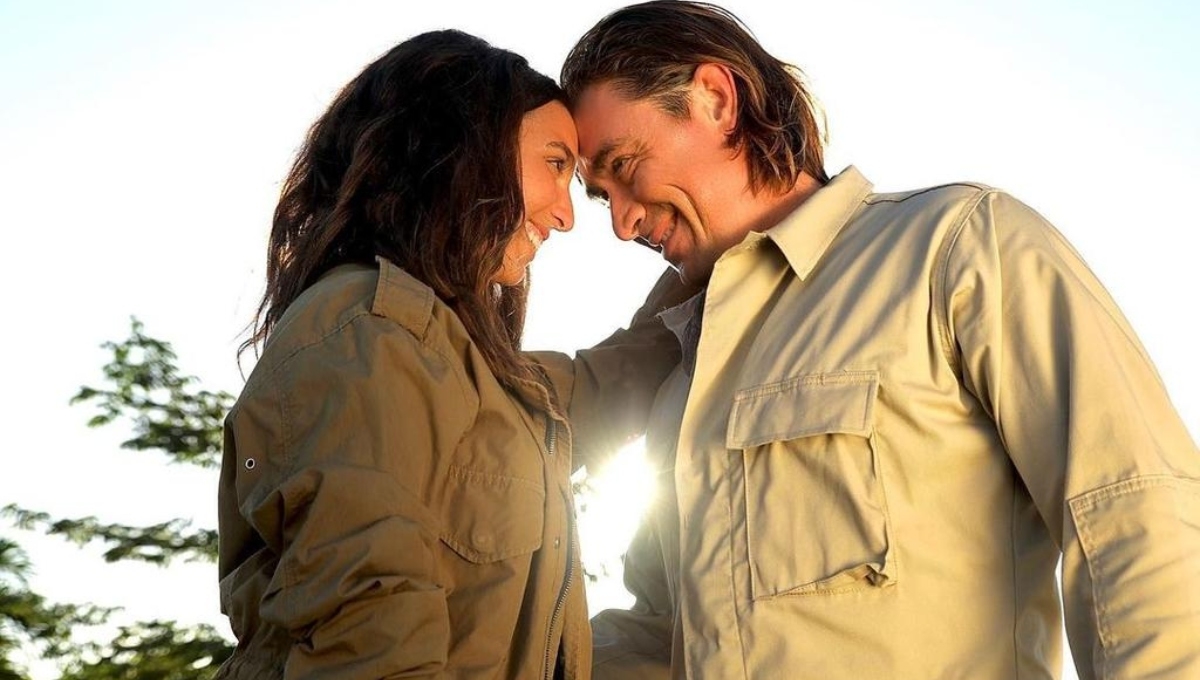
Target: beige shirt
x: 902, y: 407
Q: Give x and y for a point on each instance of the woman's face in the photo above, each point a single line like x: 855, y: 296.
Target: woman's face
x: 548, y: 149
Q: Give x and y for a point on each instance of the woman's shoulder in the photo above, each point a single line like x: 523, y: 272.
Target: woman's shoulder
x: 352, y: 303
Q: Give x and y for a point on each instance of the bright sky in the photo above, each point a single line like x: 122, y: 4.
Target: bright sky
x: 142, y: 145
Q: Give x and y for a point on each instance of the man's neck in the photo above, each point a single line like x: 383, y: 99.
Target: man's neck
x: 774, y: 207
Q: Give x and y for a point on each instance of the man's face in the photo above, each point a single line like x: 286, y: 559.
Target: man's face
x: 668, y: 182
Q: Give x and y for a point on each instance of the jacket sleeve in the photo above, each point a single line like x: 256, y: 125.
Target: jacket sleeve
x: 635, y: 643
x: 1090, y: 430
x: 608, y: 389
x: 348, y: 430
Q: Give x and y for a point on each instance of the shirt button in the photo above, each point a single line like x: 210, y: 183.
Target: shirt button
x: 557, y: 541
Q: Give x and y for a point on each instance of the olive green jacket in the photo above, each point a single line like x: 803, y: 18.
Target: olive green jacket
x: 387, y: 509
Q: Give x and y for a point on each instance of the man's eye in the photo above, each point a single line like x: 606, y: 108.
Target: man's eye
x: 619, y: 164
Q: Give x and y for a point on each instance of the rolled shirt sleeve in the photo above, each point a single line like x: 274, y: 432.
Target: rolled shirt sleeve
x: 1090, y: 430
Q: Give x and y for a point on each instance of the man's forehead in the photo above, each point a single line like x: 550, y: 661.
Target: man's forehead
x: 601, y: 113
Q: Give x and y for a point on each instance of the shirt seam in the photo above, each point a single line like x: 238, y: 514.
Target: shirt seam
x: 941, y: 275
x: 882, y: 198
x: 1012, y: 559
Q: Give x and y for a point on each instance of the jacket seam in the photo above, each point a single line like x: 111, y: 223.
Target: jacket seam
x: 283, y: 397
x: 469, y: 475
x: 287, y: 359
x: 459, y: 377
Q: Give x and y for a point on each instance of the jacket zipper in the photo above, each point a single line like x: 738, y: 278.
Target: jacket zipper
x: 551, y: 435
x: 551, y: 440
x: 562, y: 598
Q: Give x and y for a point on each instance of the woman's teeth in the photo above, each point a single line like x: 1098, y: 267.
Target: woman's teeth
x: 535, y: 236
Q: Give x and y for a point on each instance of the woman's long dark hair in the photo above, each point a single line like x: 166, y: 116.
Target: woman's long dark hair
x: 417, y: 161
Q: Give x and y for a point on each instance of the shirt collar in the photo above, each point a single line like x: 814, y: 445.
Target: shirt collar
x: 684, y: 321
x: 806, y: 233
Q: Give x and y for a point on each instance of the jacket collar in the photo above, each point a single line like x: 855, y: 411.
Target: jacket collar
x: 805, y: 234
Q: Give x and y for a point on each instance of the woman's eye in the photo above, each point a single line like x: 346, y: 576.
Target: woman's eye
x: 559, y: 165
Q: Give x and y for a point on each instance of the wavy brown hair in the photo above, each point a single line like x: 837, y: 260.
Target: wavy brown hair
x: 416, y: 161
x: 651, y: 50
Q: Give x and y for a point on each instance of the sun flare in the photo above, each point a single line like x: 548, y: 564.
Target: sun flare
x: 610, y: 505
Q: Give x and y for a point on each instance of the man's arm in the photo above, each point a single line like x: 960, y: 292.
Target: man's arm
x: 608, y: 390
x: 1093, y: 435
x: 635, y: 643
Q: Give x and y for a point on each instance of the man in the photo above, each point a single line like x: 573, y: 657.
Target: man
x: 894, y: 412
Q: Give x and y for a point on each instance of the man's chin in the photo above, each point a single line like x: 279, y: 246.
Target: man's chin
x: 691, y: 275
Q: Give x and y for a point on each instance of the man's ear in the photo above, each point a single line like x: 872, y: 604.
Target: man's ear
x: 714, y: 96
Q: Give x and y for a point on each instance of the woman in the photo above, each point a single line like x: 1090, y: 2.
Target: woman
x: 394, y: 497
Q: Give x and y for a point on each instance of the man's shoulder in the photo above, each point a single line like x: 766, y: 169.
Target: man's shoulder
x: 949, y: 193
x: 933, y: 209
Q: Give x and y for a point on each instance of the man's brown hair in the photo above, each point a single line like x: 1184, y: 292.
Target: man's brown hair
x: 651, y: 50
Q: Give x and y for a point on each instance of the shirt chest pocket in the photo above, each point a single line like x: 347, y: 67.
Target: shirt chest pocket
x: 491, y: 517
x: 816, y: 513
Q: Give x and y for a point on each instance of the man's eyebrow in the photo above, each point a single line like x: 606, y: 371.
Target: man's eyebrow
x: 599, y: 162
x: 598, y: 166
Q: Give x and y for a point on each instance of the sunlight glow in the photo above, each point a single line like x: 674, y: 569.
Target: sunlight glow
x: 611, y: 503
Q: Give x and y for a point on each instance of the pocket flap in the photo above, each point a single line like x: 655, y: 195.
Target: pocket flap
x: 491, y: 517
x: 822, y: 403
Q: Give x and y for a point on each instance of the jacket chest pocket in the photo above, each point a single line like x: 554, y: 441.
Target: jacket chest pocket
x: 491, y: 517
x: 816, y: 513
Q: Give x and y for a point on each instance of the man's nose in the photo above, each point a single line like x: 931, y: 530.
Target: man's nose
x: 627, y: 215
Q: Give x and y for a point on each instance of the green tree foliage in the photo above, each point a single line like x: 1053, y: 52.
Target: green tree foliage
x: 167, y: 412
x: 155, y: 650
x: 27, y: 619
x: 157, y: 544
